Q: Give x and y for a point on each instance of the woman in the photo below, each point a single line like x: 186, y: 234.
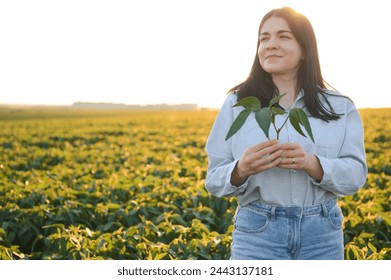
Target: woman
x: 287, y: 190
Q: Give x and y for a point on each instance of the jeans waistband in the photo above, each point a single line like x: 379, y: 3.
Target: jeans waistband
x: 296, y: 211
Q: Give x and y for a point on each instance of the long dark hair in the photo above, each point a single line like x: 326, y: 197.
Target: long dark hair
x: 309, y: 77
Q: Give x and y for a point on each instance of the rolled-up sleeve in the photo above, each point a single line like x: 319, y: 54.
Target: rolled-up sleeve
x: 347, y: 173
x: 221, y: 162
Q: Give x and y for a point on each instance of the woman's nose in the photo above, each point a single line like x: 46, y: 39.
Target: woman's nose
x: 271, y: 44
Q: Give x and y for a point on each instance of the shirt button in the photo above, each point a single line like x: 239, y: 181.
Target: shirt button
x: 295, y: 201
x: 293, y: 171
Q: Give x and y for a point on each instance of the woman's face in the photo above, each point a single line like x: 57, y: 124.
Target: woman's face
x: 279, y: 52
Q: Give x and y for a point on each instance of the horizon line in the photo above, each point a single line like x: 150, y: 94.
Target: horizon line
x: 129, y: 105
x: 112, y: 105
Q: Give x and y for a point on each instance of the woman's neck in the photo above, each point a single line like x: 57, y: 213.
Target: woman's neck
x: 287, y: 86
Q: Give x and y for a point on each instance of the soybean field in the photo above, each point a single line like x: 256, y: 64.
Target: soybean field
x: 111, y: 184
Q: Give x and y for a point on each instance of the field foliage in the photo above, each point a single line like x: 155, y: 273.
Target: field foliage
x: 80, y: 184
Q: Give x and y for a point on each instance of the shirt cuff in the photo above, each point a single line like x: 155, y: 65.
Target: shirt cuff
x: 232, y: 188
x: 324, y: 162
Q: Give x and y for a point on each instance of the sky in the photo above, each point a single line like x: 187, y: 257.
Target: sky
x: 176, y: 51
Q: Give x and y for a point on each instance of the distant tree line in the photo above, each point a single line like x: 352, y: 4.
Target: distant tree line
x: 110, y: 106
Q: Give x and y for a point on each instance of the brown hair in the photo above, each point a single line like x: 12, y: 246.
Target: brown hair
x: 309, y: 77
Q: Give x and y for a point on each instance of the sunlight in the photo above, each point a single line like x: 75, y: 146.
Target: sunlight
x: 177, y: 51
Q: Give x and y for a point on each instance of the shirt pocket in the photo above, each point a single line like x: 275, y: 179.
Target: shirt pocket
x: 328, y: 138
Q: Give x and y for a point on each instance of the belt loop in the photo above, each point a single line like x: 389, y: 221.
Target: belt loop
x: 325, y: 211
x: 273, y: 213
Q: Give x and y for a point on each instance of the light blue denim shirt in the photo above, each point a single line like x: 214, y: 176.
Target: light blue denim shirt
x: 339, y: 146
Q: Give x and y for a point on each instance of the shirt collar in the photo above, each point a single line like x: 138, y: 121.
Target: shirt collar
x: 300, y: 95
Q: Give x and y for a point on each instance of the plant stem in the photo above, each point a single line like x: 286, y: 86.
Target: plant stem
x: 279, y: 130
x: 275, y: 128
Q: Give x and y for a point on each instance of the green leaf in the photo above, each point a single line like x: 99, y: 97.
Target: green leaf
x: 372, y: 247
x: 366, y: 235
x: 298, y: 117
x: 264, y: 120
x: 277, y: 111
x: 353, y: 249
x: 295, y: 121
x: 159, y: 256
x: 178, y: 219
x: 250, y: 102
x: 238, y: 123
x: 276, y: 99
x: 305, y: 122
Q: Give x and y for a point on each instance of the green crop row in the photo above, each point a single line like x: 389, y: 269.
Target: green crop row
x: 80, y: 184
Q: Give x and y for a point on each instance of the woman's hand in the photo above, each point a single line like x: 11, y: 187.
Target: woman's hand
x: 255, y: 159
x: 294, y: 157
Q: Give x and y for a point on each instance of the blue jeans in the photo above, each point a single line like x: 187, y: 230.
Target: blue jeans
x: 263, y: 232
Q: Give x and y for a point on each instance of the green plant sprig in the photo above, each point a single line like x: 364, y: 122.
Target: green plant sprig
x: 267, y: 116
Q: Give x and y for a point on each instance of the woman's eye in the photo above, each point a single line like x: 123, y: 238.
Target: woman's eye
x: 285, y: 37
